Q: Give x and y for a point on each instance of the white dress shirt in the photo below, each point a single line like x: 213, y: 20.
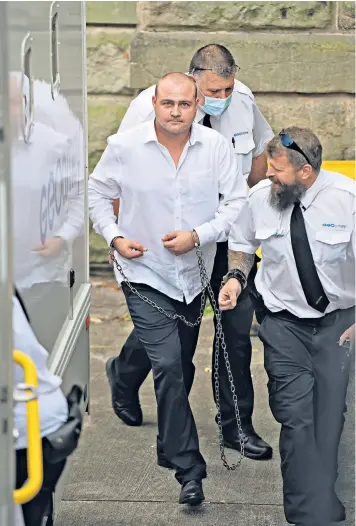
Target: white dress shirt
x: 156, y: 198
x: 242, y: 121
x: 53, y: 406
x: 329, y: 214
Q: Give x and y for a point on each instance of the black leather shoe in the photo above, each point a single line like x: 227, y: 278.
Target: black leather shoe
x: 192, y: 493
x: 254, y: 447
x: 128, y: 410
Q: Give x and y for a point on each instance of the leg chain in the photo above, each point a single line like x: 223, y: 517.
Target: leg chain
x: 219, y: 340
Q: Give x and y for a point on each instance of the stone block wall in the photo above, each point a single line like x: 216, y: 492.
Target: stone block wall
x: 297, y: 57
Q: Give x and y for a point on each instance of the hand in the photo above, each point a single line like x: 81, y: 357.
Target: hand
x: 51, y: 247
x: 348, y: 335
x: 229, y: 293
x: 179, y: 242
x: 129, y: 249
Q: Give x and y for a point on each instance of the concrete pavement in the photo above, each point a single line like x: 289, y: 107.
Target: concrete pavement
x: 114, y: 479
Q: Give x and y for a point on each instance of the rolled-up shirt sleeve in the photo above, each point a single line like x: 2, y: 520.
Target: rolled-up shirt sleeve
x: 242, y: 237
x: 233, y: 192
x: 103, y: 188
x: 262, y: 132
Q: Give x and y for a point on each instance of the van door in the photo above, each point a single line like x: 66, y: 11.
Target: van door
x: 6, y: 366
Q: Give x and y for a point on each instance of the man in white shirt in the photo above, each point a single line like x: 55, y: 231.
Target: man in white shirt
x: 168, y: 174
x: 227, y: 106
x: 303, y: 217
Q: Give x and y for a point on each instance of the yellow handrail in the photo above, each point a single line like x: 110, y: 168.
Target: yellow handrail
x: 34, y: 448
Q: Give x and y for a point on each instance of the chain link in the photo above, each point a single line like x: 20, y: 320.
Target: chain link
x: 219, y: 340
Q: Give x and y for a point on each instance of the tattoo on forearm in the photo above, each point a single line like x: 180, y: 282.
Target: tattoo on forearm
x: 241, y: 261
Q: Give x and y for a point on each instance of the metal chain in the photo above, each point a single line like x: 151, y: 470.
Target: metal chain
x: 219, y: 340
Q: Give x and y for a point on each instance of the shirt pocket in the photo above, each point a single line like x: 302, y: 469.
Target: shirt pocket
x: 201, y: 188
x: 272, y: 244
x: 331, y: 246
x: 244, y: 148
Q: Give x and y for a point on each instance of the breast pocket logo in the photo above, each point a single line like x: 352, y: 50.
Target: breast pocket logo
x: 332, y: 225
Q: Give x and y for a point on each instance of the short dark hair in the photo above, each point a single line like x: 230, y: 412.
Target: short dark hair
x: 176, y: 74
x: 306, y: 140
x: 215, y: 58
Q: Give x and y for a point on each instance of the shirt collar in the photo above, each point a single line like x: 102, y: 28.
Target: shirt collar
x: 151, y: 135
x: 320, y: 183
x: 200, y: 115
x: 195, y: 134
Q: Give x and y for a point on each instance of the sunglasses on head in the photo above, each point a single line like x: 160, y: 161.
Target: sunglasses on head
x: 288, y: 142
x: 210, y: 69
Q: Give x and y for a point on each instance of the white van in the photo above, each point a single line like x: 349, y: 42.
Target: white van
x: 43, y: 199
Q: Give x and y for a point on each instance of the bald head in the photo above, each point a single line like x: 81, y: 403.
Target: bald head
x: 175, y: 103
x: 174, y: 81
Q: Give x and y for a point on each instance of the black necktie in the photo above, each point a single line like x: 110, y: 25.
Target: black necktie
x: 206, y: 121
x: 309, y: 279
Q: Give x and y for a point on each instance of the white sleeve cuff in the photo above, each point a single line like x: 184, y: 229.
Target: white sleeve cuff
x: 248, y: 249
x: 110, y: 231
x: 206, y: 234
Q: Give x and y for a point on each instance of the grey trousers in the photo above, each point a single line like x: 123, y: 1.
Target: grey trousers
x: 163, y: 339
x: 308, y: 376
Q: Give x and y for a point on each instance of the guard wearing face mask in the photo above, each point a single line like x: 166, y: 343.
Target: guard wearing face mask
x: 229, y: 107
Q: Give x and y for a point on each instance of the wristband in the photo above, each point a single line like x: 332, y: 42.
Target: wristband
x: 237, y: 274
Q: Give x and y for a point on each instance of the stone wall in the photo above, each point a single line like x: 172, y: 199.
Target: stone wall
x: 297, y: 57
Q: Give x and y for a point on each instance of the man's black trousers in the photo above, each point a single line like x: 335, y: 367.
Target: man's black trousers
x: 170, y: 347
x: 133, y: 365
x: 308, y: 376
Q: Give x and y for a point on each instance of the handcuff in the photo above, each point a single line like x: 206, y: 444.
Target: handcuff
x: 236, y: 274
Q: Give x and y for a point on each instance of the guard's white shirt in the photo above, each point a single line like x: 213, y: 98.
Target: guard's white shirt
x: 329, y: 214
x: 156, y: 198
x: 242, y: 121
x: 53, y: 406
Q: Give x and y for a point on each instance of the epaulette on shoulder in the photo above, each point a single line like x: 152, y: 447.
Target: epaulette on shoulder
x: 243, y: 89
x: 347, y: 184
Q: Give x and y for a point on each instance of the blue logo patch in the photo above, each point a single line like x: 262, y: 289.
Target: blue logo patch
x: 237, y: 134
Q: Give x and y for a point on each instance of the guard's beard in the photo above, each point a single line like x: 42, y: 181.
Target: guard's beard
x: 286, y: 195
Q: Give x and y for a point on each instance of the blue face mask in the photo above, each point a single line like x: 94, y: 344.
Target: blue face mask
x: 216, y: 107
